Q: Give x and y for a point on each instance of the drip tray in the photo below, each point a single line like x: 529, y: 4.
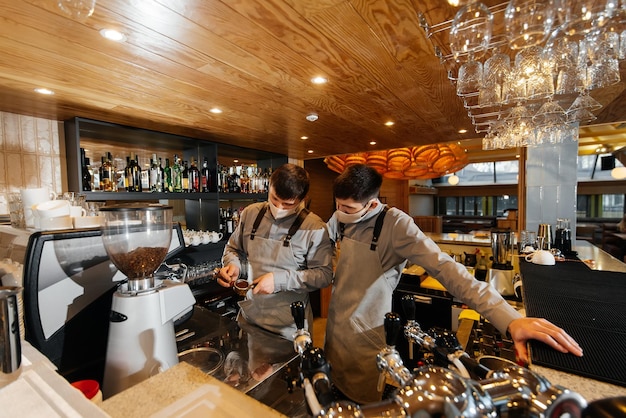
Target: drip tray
x: 207, y: 359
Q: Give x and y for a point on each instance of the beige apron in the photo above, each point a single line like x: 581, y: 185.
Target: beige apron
x: 272, y: 312
x: 354, y: 332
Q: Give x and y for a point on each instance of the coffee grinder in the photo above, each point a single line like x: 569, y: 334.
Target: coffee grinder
x: 501, y: 271
x: 141, y: 340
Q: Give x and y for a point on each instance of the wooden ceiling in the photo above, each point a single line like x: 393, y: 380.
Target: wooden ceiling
x: 255, y: 61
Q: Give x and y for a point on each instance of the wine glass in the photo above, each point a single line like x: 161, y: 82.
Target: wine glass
x: 471, y: 30
x: 528, y: 22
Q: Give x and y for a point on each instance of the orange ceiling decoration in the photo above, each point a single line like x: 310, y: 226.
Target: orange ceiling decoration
x: 421, y: 162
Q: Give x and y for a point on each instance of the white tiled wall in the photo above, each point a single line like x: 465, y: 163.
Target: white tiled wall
x: 32, y: 154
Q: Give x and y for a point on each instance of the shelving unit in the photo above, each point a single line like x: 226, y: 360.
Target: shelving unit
x: 201, y: 209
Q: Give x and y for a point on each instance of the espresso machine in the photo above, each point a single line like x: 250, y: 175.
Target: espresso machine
x: 141, y: 339
x: 501, y: 271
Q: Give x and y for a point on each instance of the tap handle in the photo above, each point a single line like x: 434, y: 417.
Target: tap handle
x: 297, y: 311
x: 393, y: 327
x: 408, y: 306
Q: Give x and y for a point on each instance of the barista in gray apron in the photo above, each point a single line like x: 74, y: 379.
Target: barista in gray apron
x: 375, y: 244
x: 282, y: 248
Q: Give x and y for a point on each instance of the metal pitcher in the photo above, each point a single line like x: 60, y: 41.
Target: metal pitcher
x: 10, y: 345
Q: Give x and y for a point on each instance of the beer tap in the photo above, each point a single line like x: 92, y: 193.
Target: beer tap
x: 314, y: 368
x: 388, y: 360
x: 301, y: 338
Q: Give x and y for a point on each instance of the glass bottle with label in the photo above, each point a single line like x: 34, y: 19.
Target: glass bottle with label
x: 177, y: 174
x: 204, y: 176
x: 107, y: 174
x: 137, y: 180
x: 194, y: 177
x: 155, y: 175
x: 168, y: 186
x: 185, y: 176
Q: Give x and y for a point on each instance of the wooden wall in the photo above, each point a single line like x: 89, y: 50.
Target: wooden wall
x: 393, y: 192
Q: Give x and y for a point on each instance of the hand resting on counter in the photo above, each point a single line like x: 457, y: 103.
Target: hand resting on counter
x: 524, y: 329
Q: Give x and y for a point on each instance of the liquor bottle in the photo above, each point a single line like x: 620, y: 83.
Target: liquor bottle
x: 161, y: 175
x: 128, y: 175
x: 107, y: 174
x: 185, y: 177
x: 204, y: 177
x: 137, y: 181
x: 168, y: 186
x: 85, y: 175
x: 194, y: 177
x: 229, y: 222
x: 155, y: 175
x: 177, y: 181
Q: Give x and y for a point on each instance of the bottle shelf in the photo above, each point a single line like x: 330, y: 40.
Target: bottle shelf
x: 129, y: 196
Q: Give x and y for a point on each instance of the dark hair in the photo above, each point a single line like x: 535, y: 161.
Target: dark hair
x: 358, y: 182
x: 290, y: 182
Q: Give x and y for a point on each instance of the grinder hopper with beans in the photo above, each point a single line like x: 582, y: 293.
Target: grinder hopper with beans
x: 141, y: 339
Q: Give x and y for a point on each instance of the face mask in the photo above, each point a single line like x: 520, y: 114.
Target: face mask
x: 351, y: 218
x: 279, y: 213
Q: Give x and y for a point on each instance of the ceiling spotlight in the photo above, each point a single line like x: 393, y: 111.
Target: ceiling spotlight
x: 304, y: 137
x: 389, y: 123
x: 462, y: 131
x: 312, y: 117
x: 453, y: 180
x: 319, y: 80
x: 310, y: 151
x: 216, y: 110
x: 113, y: 35
x: 372, y: 142
x: 43, y: 90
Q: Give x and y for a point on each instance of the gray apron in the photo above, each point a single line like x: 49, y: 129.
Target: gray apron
x: 272, y: 312
x: 355, y: 327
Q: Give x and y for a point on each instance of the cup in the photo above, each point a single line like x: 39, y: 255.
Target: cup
x: 52, y: 209
x: 16, y: 210
x: 77, y: 211
x: 88, y: 221
x: 543, y: 257
x: 90, y: 388
x: 11, y: 349
x: 56, y: 223
x: 31, y: 197
x: 215, y: 236
x: 93, y: 208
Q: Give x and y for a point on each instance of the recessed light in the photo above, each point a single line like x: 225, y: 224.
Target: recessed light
x: 304, y: 137
x: 235, y: 160
x: 310, y: 151
x: 319, y: 80
x: 43, y: 90
x: 462, y: 131
x: 389, y: 123
x: 372, y: 142
x: 312, y: 117
x: 216, y: 110
x: 113, y: 35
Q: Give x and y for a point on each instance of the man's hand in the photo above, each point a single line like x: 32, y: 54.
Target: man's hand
x: 227, y: 275
x: 264, y: 284
x: 524, y: 329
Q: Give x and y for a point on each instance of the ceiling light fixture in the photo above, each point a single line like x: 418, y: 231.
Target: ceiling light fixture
x: 113, y: 35
x: 304, y: 137
x: 216, y: 110
x: 462, y: 131
x: 310, y: 151
x: 312, y: 117
x: 43, y: 90
x: 77, y: 9
x: 453, y: 180
x: 525, y: 69
x: 319, y: 80
x: 389, y: 123
x: 619, y: 173
x: 372, y: 142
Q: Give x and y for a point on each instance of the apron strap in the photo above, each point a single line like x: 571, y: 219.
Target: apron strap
x: 295, y: 226
x: 257, y: 221
x: 378, y: 227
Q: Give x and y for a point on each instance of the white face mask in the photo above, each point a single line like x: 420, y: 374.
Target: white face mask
x: 279, y: 213
x: 351, y: 218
